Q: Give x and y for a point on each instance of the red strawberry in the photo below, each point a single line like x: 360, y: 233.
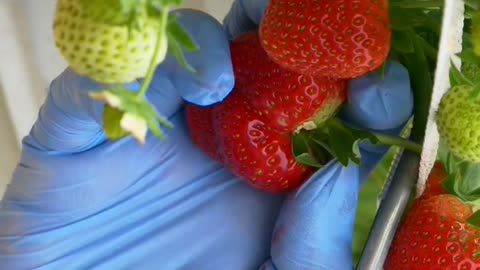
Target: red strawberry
x: 200, y: 119
x: 335, y: 38
x: 254, y: 124
x: 435, y: 235
x: 434, y: 182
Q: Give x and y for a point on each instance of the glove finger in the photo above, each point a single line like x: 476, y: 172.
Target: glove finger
x: 315, y: 227
x: 244, y: 16
x: 213, y: 79
x: 380, y: 102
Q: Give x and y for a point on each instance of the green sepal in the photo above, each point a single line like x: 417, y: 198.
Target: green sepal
x: 468, y: 56
x: 449, y: 184
x: 474, y: 220
x: 341, y: 141
x: 111, y: 123
x: 302, y: 151
x: 450, y: 161
x: 175, y: 50
x: 475, y: 92
x: 457, y: 77
x: 178, y: 41
x: 463, y: 181
x: 176, y: 32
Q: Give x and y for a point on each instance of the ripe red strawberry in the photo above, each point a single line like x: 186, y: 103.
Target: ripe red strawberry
x: 250, y: 131
x: 435, y: 235
x: 201, y: 119
x: 434, y: 182
x: 341, y: 38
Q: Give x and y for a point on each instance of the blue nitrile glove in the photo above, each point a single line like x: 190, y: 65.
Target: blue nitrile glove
x: 77, y: 201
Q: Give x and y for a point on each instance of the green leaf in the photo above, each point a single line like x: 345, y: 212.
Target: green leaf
x: 175, y: 50
x: 468, y: 56
x: 404, y: 18
x: 457, y: 77
x: 449, y: 161
x: 450, y: 184
x: 302, y: 151
x: 342, y: 141
x: 429, y: 51
x: 111, y: 123
x: 475, y: 93
x: 474, y: 219
x: 469, y: 184
x: 463, y: 181
x: 181, y: 37
x: 473, y: 4
x: 402, y: 41
x: 422, y: 85
x: 368, y: 204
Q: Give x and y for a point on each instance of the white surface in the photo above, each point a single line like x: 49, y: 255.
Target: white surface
x: 29, y: 61
x: 450, y: 44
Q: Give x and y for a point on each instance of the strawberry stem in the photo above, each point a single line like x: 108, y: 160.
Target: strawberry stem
x: 153, y: 62
x: 398, y: 141
x: 379, y: 138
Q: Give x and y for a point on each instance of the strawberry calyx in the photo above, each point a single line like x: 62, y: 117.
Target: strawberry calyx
x: 126, y: 114
x: 333, y: 139
x: 474, y: 219
x: 462, y: 182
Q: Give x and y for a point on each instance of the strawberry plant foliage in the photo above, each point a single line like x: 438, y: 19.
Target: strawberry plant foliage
x: 118, y: 28
x: 416, y: 32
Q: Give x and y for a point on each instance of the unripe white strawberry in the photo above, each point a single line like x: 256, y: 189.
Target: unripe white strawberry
x: 458, y: 120
x: 107, y: 53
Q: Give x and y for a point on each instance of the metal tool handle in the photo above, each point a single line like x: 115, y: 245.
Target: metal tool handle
x: 390, y: 213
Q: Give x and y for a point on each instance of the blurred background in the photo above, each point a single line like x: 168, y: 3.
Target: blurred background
x: 29, y: 62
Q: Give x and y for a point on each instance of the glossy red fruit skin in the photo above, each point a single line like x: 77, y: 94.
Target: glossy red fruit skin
x: 200, y: 120
x: 434, y: 235
x: 249, y: 134
x: 434, y: 186
x: 340, y: 38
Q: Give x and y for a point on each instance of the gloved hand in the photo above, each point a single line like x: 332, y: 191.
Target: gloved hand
x: 78, y: 201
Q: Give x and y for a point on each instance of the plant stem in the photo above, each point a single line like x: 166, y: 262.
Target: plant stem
x: 398, y: 141
x: 153, y: 62
x: 382, y: 138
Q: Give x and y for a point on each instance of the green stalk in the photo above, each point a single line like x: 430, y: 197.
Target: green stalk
x: 398, y: 141
x: 382, y: 138
x: 151, y: 69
